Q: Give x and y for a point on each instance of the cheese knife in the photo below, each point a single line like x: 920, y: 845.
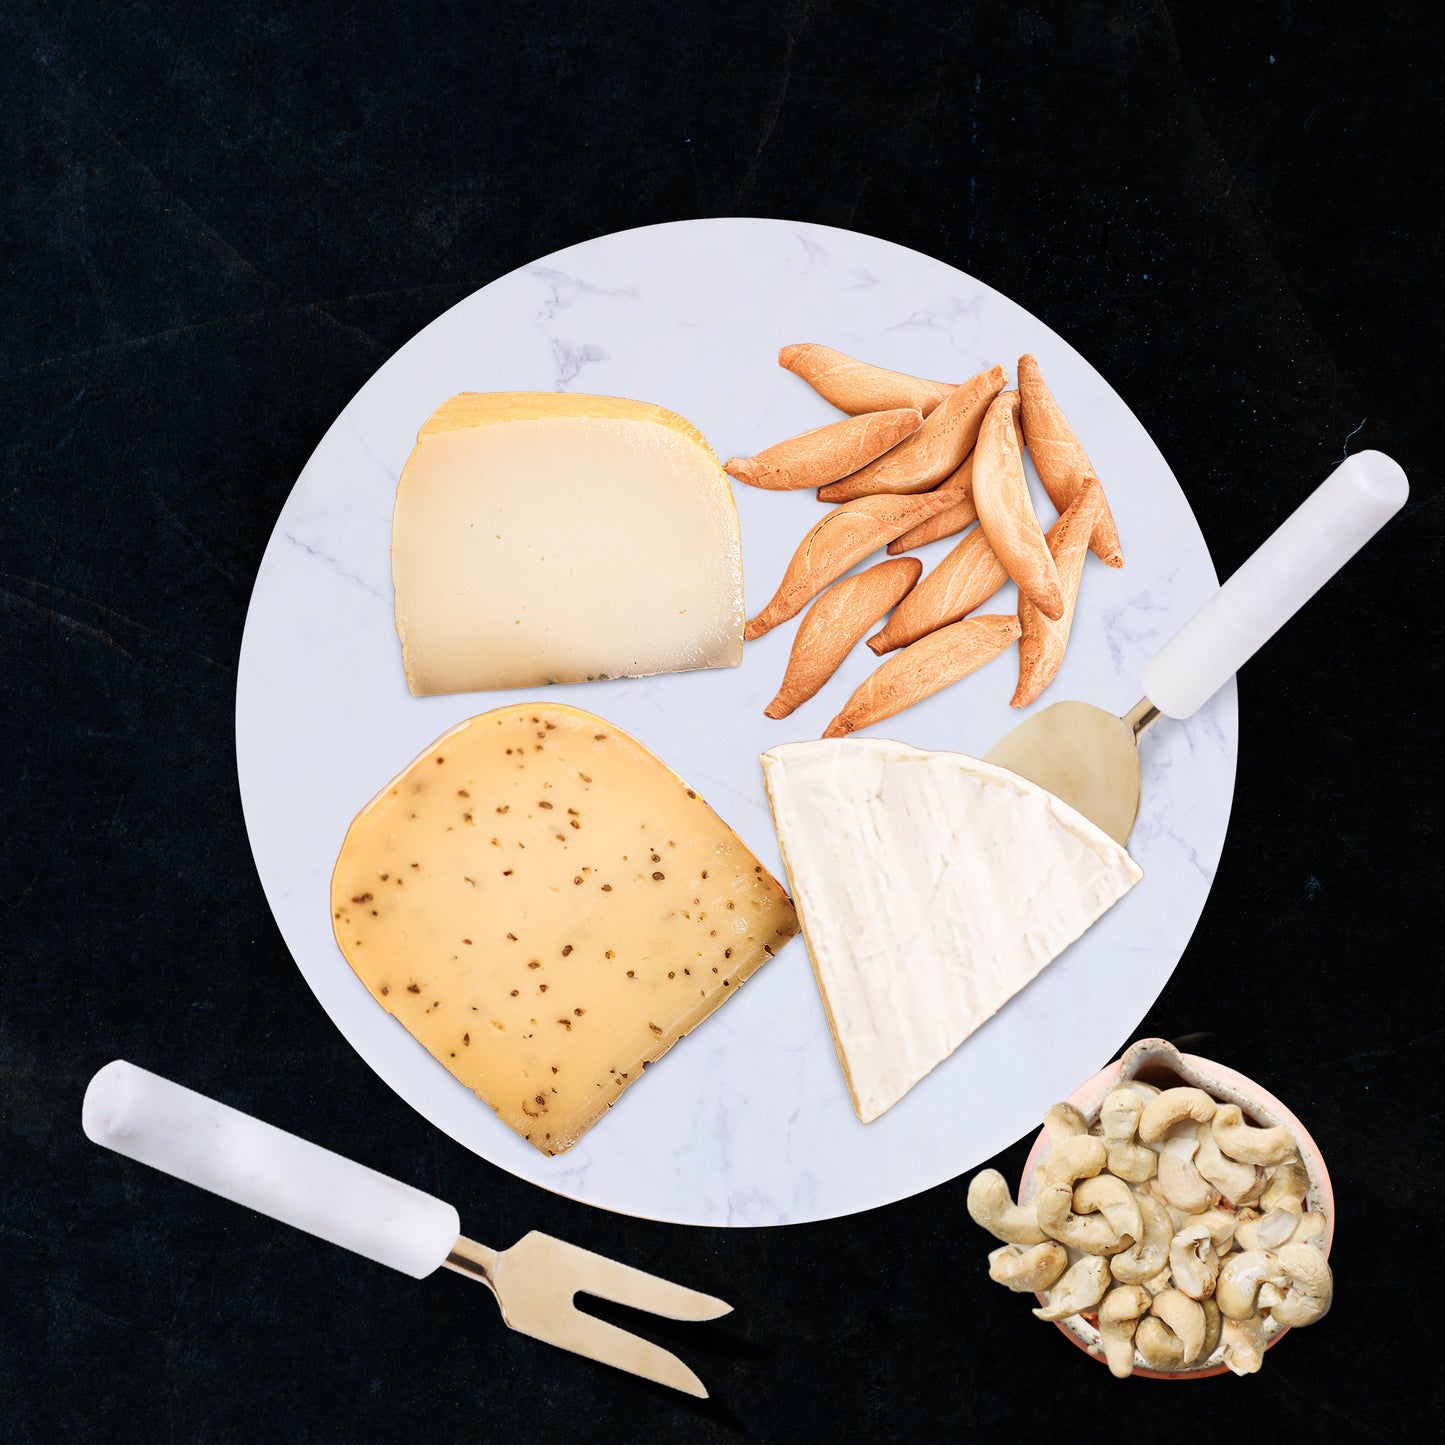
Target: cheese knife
x: 1090, y: 758
x: 185, y: 1134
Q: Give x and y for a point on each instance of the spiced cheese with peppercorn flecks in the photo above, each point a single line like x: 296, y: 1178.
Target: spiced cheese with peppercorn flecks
x: 547, y: 907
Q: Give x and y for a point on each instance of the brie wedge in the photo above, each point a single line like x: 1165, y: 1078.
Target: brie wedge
x: 931, y: 888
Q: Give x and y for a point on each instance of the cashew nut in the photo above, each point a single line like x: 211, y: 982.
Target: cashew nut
x: 1181, y: 1218
x: 1063, y: 1121
x: 1213, y: 1326
x: 1240, y: 1277
x: 1246, y: 1223
x: 1146, y: 1257
x: 1158, y: 1283
x: 1246, y: 1143
x: 1159, y: 1346
x: 1183, y: 1185
x: 1244, y: 1342
x: 1238, y: 1183
x: 991, y: 1205
x: 1276, y: 1228
x: 1185, y: 1319
x: 1119, y: 1115
x: 1028, y: 1271
x: 1125, y: 1302
x: 1279, y: 1226
x: 1078, y: 1157
x: 1309, y: 1230
x: 1287, y: 1187
x: 1311, y: 1286
x: 1171, y: 1107
x: 1135, y: 1162
x: 1221, y: 1224
x: 1120, y: 1120
x: 1118, y: 1319
x: 1118, y: 1344
x: 1090, y: 1234
x: 1267, y: 1231
x: 1080, y: 1288
x: 1112, y: 1198
x: 1193, y: 1261
x: 1182, y: 1141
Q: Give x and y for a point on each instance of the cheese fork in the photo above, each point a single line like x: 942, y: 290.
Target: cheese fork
x: 182, y: 1133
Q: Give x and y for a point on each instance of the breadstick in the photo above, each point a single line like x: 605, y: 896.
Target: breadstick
x: 934, y: 451
x: 1062, y: 463
x: 827, y: 452
x: 1006, y: 514
x: 1041, y: 642
x: 955, y: 519
x: 855, y: 386
x: 947, y: 523
x: 832, y: 626
x: 964, y: 580
x: 845, y: 536
x: 923, y: 669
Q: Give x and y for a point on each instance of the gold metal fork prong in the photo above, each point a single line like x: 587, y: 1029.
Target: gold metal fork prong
x: 536, y: 1282
x: 570, y: 1268
x: 622, y: 1284
x: 585, y: 1334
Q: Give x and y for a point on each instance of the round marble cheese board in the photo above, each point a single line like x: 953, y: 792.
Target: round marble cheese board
x: 747, y: 1121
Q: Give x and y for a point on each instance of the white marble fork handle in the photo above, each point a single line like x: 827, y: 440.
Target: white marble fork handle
x: 183, y: 1133
x: 1310, y: 546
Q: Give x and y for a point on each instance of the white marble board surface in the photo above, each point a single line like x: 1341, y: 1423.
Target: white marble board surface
x: 747, y: 1121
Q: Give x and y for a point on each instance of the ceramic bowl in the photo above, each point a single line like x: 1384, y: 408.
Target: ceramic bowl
x: 1158, y: 1062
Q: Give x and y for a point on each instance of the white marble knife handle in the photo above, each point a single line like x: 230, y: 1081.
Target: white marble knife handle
x: 183, y: 1133
x: 1312, y: 544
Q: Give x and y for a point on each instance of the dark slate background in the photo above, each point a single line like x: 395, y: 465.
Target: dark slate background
x: 217, y: 221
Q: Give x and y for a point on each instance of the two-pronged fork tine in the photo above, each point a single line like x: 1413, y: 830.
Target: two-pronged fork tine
x: 536, y: 1283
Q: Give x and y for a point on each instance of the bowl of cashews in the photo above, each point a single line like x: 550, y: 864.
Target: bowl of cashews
x: 1174, y: 1218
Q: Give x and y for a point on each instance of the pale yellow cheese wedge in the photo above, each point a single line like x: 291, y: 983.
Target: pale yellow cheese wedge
x: 543, y: 537
x: 547, y: 907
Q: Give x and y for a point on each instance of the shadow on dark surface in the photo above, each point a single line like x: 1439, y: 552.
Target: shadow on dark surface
x: 720, y: 1338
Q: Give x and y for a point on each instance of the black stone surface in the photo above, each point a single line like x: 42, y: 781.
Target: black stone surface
x: 217, y: 221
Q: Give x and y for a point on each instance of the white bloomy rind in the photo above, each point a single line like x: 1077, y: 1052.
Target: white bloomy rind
x: 931, y: 887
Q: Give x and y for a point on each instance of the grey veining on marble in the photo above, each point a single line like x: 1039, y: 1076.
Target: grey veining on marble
x: 750, y: 1123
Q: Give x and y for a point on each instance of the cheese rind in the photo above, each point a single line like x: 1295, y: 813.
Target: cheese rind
x: 547, y: 537
x: 547, y: 907
x: 931, y: 888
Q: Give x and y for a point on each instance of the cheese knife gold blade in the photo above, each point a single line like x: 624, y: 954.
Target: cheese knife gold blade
x: 1089, y: 757
x: 535, y: 1282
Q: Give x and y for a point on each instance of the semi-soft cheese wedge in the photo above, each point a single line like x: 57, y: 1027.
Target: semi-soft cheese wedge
x: 543, y: 537
x: 547, y: 907
x: 931, y: 888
